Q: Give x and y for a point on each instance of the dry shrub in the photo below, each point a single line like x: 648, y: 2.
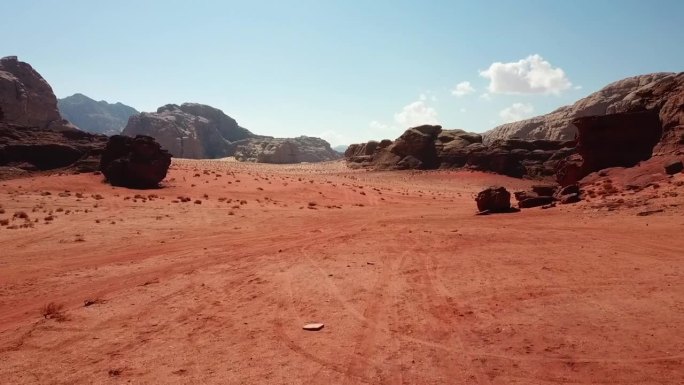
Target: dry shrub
x: 53, y: 311
x: 21, y: 214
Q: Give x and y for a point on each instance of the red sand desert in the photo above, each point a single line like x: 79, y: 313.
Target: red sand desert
x: 411, y: 286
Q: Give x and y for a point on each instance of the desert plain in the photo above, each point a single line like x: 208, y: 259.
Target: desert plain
x: 211, y: 278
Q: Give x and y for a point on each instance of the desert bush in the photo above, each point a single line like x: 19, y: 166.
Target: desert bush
x: 21, y: 214
x: 53, y: 311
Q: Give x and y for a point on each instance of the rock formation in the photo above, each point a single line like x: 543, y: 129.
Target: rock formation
x: 651, y: 135
x: 632, y: 122
x: 644, y: 92
x: 33, y: 135
x: 290, y: 150
x: 203, y: 132
x: 93, y: 116
x: 430, y: 147
x: 138, y: 162
x: 26, y: 99
x: 190, y: 130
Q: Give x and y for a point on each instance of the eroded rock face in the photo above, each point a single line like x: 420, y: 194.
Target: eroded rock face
x: 617, y: 140
x: 190, y: 130
x: 138, y: 162
x: 26, y: 99
x: 285, y: 151
x: 644, y: 92
x: 33, y: 136
x: 34, y: 149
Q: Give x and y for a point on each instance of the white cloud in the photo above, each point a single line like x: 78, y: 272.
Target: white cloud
x: 517, y: 111
x: 532, y: 75
x: 334, y: 138
x: 463, y: 110
x: 380, y: 127
x: 416, y: 114
x: 462, y: 89
x: 486, y: 97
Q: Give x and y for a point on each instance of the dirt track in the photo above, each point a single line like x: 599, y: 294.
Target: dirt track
x: 412, y: 287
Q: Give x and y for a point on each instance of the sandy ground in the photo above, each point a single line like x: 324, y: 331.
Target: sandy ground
x: 412, y: 287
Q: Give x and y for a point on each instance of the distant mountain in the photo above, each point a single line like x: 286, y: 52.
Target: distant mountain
x: 93, y: 116
x: 341, y: 148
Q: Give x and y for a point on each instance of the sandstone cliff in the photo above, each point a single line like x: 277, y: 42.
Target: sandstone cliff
x: 627, y: 95
x: 33, y: 135
x: 26, y: 99
x: 93, y: 116
x: 190, y: 130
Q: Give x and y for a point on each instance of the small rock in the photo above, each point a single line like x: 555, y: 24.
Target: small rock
x: 535, y: 202
x: 674, y: 167
x: 313, y: 327
x: 649, y: 212
x: 567, y: 190
x: 570, y: 198
x: 544, y: 189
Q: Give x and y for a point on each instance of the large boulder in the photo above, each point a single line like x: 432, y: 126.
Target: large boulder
x: 138, y: 162
x: 495, y: 199
x: 93, y: 116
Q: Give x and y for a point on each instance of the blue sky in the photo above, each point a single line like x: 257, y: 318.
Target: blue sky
x: 347, y: 71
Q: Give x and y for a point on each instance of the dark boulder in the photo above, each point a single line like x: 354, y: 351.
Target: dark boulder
x: 545, y: 189
x: 138, y: 162
x: 535, y: 202
x: 495, y: 199
x: 674, y: 167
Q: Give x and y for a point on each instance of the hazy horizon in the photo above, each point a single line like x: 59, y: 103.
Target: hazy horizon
x: 347, y: 72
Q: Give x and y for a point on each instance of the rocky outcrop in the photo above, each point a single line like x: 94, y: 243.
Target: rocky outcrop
x: 190, y: 130
x: 40, y: 149
x: 547, y: 196
x: 93, y: 116
x: 202, y: 132
x: 26, y: 99
x: 33, y: 136
x: 430, y: 147
x: 138, y: 162
x: 617, y: 140
x: 283, y: 151
x: 644, y: 92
